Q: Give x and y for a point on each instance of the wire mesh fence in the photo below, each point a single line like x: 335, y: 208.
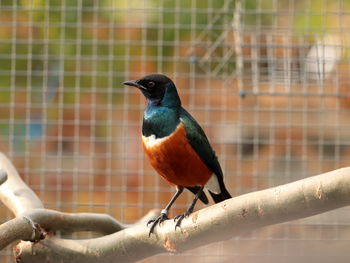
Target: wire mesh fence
x: 268, y: 81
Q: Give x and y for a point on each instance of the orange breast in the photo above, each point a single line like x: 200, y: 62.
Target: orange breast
x: 175, y: 159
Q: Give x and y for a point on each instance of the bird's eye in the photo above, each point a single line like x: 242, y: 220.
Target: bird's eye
x: 150, y: 84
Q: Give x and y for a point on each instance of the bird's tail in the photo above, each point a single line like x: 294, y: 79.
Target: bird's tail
x: 222, y: 196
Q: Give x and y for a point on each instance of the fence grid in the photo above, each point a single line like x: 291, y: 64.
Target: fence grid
x: 268, y: 80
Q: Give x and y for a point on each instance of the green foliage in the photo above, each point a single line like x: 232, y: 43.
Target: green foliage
x: 192, y: 19
x: 259, y: 13
x: 82, y: 45
x: 54, y: 32
x: 319, y: 16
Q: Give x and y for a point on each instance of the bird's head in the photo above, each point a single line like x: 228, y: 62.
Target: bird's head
x: 158, y: 90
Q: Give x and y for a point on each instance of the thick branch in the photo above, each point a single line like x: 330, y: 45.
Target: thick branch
x: 19, y: 228
x: 22, y: 228
x: 74, y: 222
x: 14, y: 193
x: 3, y: 177
x: 227, y: 219
x: 32, y: 218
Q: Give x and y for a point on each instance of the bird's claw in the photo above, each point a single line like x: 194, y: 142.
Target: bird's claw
x: 162, y: 217
x: 179, y: 219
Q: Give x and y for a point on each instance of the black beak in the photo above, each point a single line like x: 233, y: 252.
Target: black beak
x: 134, y: 83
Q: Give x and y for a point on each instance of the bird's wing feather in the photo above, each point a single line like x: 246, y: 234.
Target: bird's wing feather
x: 200, y: 143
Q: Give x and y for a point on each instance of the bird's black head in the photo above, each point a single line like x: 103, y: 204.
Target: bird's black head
x: 158, y: 89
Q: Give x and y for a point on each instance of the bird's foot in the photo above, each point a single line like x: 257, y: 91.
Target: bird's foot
x: 179, y: 218
x: 162, y: 217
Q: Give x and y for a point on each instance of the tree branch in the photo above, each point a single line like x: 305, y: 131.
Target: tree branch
x: 32, y: 218
x: 225, y: 220
x: 21, y: 227
x: 3, y: 177
x: 14, y: 193
x: 74, y: 222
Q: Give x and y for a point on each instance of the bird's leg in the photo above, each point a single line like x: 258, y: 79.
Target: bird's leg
x: 164, y: 213
x: 179, y: 218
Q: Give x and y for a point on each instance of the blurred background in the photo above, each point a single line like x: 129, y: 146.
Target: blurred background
x: 268, y: 80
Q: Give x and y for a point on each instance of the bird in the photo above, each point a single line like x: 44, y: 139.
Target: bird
x: 177, y: 147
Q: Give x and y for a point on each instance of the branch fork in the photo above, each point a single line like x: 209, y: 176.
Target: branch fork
x: 128, y: 243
